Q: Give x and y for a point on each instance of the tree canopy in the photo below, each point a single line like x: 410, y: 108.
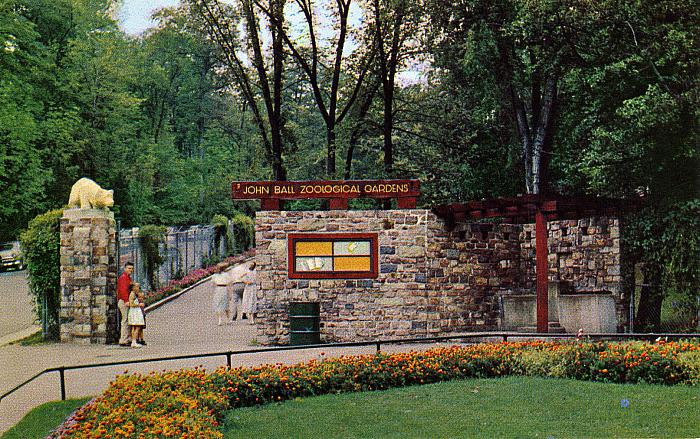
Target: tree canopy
x: 475, y: 98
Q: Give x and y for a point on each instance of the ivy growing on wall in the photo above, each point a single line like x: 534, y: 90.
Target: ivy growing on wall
x: 152, y: 237
x: 41, y: 248
x: 244, y: 232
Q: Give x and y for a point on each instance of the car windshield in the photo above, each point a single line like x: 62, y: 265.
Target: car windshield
x: 5, y: 246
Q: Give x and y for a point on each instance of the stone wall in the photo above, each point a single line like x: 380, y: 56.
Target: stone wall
x: 584, y: 257
x: 88, y: 276
x: 469, y: 267
x: 392, y: 305
x: 431, y: 281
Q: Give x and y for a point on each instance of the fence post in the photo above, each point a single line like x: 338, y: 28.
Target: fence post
x: 228, y: 359
x: 379, y: 348
x: 62, y: 376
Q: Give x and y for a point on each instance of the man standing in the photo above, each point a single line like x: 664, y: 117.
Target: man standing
x: 123, y: 289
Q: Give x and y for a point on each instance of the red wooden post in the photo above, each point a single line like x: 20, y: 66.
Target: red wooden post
x: 338, y: 204
x: 269, y: 204
x: 406, y: 203
x: 542, y: 270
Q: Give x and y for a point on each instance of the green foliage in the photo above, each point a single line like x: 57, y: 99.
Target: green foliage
x: 243, y: 232
x: 152, y: 237
x: 667, y: 236
x: 192, y: 400
x: 41, y: 247
x: 221, y: 230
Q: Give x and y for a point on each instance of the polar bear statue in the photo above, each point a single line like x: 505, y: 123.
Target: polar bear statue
x: 86, y: 194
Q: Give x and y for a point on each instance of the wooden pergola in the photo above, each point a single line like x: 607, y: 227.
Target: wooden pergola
x: 526, y: 209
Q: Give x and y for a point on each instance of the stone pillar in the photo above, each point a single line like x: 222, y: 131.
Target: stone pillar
x: 88, y: 276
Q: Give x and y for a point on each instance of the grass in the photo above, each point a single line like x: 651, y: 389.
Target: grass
x: 42, y: 420
x: 508, y: 407
x: 33, y: 340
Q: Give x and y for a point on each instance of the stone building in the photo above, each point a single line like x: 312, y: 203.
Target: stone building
x: 413, y: 273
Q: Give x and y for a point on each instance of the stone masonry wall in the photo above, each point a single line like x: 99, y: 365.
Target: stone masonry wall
x: 584, y: 257
x: 88, y: 276
x: 392, y: 305
x: 469, y: 267
x: 431, y: 281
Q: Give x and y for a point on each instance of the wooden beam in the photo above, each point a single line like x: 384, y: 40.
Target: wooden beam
x: 269, y: 204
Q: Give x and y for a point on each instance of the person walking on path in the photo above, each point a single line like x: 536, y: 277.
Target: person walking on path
x: 123, y: 291
x: 136, y: 315
x: 221, y: 281
x: 238, y: 288
x: 249, y: 294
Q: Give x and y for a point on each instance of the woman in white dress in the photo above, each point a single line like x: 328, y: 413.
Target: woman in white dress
x: 249, y: 294
x: 221, y: 280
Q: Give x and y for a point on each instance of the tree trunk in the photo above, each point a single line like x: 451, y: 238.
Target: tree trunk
x: 650, y: 299
x: 543, y: 123
x: 330, y: 145
x: 388, y: 142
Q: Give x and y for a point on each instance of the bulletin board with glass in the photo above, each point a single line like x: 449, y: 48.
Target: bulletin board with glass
x: 332, y: 256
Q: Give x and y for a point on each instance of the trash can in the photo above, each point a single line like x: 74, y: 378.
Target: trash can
x: 304, y: 323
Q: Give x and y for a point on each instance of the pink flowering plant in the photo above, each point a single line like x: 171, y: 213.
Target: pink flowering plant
x: 177, y: 285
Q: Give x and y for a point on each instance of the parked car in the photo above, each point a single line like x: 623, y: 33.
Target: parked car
x: 10, y: 255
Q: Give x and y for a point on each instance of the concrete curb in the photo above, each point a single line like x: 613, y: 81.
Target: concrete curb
x: 165, y: 300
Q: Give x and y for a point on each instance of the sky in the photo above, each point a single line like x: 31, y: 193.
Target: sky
x: 135, y: 15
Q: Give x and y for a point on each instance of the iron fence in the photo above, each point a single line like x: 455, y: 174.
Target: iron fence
x: 184, y: 249
x: 378, y: 343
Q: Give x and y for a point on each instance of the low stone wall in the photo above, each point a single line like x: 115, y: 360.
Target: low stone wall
x: 431, y: 281
x: 594, y: 313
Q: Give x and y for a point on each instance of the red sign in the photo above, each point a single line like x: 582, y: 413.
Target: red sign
x: 270, y: 192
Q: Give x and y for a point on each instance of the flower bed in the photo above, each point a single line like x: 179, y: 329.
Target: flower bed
x: 190, y: 403
x: 192, y: 278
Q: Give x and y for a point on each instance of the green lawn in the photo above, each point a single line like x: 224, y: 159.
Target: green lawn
x: 509, y: 407
x: 42, y: 420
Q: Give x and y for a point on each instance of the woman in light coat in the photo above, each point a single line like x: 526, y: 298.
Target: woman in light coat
x: 221, y: 280
x: 249, y: 294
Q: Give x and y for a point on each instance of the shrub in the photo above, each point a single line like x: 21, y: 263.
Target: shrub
x: 151, y: 237
x: 41, y: 247
x: 244, y: 232
x: 221, y: 231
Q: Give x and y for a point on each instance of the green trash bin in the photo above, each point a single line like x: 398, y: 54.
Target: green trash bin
x: 304, y: 323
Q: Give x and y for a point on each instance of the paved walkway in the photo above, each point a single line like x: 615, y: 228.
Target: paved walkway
x: 183, y: 326
x: 16, y: 314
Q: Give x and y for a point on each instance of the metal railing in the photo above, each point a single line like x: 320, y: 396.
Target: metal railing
x: 378, y: 343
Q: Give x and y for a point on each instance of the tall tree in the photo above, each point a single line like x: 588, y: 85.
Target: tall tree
x: 221, y: 24
x: 527, y: 48
x: 325, y: 82
x: 23, y: 58
x: 396, y: 23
